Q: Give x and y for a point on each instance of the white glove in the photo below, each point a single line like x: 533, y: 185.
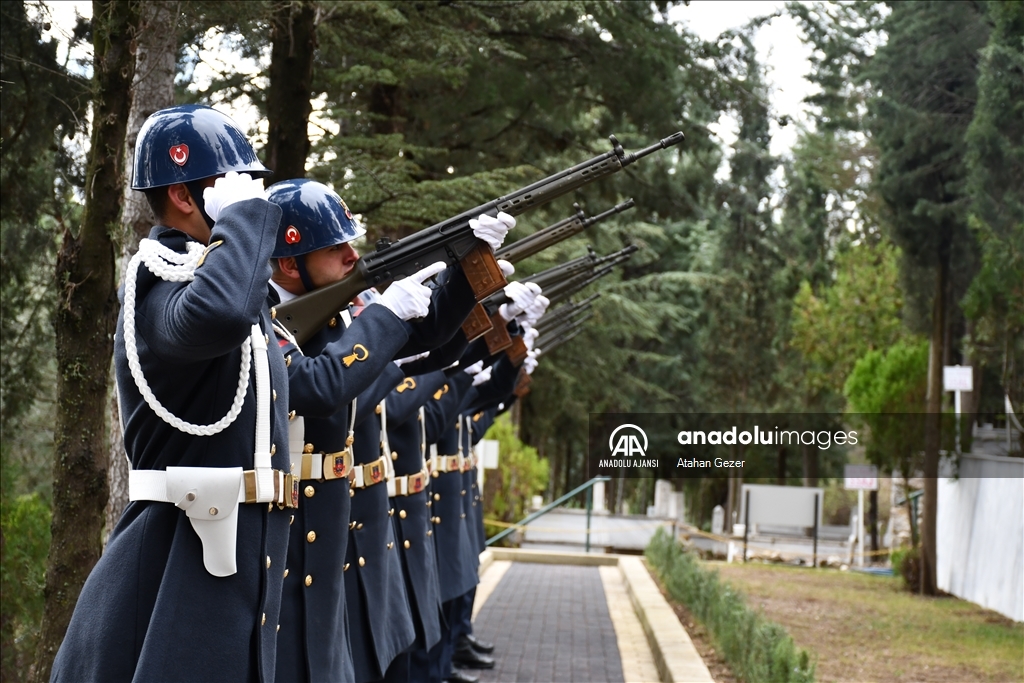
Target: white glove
x: 522, y: 296
x: 529, y: 337
x: 233, y: 187
x: 536, y: 310
x: 408, y: 359
x: 474, y: 368
x: 492, y: 230
x: 482, y: 376
x: 530, y: 364
x: 506, y: 267
x: 409, y: 298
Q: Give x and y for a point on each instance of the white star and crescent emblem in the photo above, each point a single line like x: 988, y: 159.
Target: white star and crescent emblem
x: 179, y: 154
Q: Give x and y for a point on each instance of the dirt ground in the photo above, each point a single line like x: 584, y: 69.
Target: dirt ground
x: 867, y: 628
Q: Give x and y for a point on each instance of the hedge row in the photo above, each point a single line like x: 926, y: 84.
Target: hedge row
x: 756, y: 649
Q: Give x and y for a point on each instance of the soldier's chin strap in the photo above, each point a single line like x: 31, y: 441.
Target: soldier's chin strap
x: 307, y: 281
x: 196, y: 188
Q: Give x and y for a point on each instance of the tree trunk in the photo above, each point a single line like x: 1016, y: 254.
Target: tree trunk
x: 84, y: 326
x: 152, y: 90
x: 933, y: 433
x: 293, y: 34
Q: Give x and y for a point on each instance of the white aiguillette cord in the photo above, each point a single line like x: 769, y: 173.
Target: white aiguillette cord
x: 171, y: 266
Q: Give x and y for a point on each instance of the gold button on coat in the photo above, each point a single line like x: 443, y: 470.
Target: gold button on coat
x: 264, y: 622
x: 401, y: 513
x: 362, y: 562
x: 407, y: 544
x: 437, y: 496
x: 309, y: 491
x: 309, y: 579
x: 311, y: 536
x: 345, y: 568
x: 268, y: 561
x: 286, y: 573
x: 391, y: 545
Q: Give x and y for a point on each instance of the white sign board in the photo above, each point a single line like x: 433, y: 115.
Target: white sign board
x: 780, y: 505
x: 860, y: 477
x: 488, y: 449
x: 957, y: 378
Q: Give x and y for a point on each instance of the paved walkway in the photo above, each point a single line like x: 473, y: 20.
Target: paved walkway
x: 550, y: 623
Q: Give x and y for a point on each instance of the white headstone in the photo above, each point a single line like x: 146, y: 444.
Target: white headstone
x: 662, y: 493
x: 598, y: 498
x: 718, y: 520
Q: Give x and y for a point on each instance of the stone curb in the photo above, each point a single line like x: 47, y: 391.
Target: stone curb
x: 677, y: 659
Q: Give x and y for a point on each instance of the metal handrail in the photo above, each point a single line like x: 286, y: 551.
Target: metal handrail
x: 588, y: 486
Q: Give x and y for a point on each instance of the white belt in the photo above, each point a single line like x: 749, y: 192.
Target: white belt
x: 210, y: 495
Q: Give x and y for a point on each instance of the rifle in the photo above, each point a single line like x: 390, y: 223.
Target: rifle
x: 481, y: 319
x: 561, y: 275
x: 553, y: 234
x: 546, y: 324
x: 550, y: 346
x: 566, y: 310
x: 563, y: 290
x: 561, y: 329
x: 451, y: 241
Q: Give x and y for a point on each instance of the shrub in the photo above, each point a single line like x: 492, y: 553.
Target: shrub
x: 906, y: 562
x: 520, y: 475
x: 756, y: 649
x: 25, y: 528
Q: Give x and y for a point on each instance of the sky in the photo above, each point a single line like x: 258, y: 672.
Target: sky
x: 778, y: 44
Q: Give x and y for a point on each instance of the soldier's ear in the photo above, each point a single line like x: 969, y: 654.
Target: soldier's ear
x: 179, y: 197
x: 287, y: 266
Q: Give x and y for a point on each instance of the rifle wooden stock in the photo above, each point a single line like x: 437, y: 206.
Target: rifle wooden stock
x: 517, y: 351
x: 482, y: 271
x: 498, y: 338
x: 477, y: 323
x: 522, y: 384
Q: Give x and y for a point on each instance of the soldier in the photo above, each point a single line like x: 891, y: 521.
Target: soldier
x: 189, y: 585
x: 336, y: 365
x: 346, y: 534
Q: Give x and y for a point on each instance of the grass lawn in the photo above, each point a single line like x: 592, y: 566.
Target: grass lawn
x: 867, y: 628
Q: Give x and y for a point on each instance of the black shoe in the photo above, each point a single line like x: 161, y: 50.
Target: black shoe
x: 477, y: 644
x: 462, y: 677
x: 465, y: 656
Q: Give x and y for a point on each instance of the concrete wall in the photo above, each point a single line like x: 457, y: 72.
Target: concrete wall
x: 981, y: 534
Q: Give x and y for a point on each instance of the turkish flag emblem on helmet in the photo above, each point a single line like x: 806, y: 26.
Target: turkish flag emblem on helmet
x: 291, y: 235
x: 179, y: 154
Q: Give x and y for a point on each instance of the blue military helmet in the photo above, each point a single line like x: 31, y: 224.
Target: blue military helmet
x: 188, y: 143
x: 313, y: 217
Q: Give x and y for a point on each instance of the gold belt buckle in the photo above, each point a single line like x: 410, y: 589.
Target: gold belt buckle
x: 336, y: 465
x: 375, y: 470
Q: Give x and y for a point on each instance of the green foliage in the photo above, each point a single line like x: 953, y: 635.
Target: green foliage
x: 25, y: 527
x: 995, y: 162
x: 521, y: 474
x: 885, y: 391
x: 864, y: 297
x: 926, y: 75
x: 755, y: 648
